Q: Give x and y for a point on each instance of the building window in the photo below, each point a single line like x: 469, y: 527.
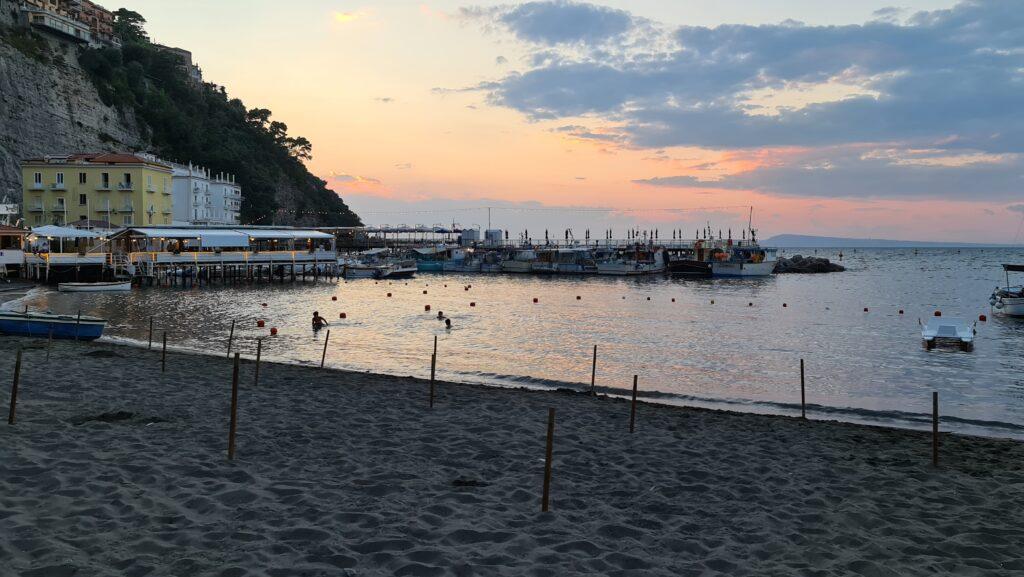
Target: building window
x: 60, y: 178
x: 128, y: 178
x: 126, y: 220
x: 37, y: 178
x: 105, y: 179
x: 82, y: 178
x: 38, y: 219
x: 82, y: 200
x: 84, y: 217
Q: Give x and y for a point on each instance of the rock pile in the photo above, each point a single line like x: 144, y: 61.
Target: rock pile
x: 805, y: 265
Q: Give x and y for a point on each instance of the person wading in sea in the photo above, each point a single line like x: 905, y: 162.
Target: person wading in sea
x: 318, y: 321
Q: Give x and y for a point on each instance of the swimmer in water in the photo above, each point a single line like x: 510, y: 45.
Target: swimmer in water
x: 448, y: 324
x: 318, y: 321
x: 440, y: 315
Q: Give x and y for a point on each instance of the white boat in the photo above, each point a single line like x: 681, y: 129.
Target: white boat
x: 742, y: 259
x: 521, y: 261
x: 639, y: 260
x: 90, y: 287
x: 1010, y: 299
x: 943, y: 330
x: 352, y: 271
x: 399, y: 269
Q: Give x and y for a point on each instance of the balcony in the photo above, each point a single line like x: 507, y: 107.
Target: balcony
x: 37, y: 207
x: 103, y: 187
x: 126, y: 208
x: 58, y: 208
x: 125, y: 186
x: 167, y: 190
x: 37, y: 186
x: 150, y: 188
x: 58, y: 186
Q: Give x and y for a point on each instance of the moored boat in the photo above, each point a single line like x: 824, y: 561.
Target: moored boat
x: 33, y: 324
x: 943, y: 330
x: 634, y: 261
x: 81, y: 287
x: 1009, y: 300
x: 521, y: 261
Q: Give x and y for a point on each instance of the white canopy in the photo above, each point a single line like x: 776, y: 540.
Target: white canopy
x: 279, y: 234
x: 52, y: 231
x: 208, y: 238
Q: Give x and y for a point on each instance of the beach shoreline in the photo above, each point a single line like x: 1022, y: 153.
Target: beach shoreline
x: 114, y: 467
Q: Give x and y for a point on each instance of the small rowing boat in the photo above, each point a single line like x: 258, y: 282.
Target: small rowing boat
x: 940, y: 330
x: 31, y: 324
x: 84, y: 287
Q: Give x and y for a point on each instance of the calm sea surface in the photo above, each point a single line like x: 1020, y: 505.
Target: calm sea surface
x: 861, y: 366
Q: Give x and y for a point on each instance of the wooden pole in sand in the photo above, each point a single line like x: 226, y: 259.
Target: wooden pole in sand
x: 234, y: 410
x: 547, y: 461
x: 78, y: 323
x: 163, y: 356
x: 150, y: 332
x: 231, y: 337
x: 323, y: 357
x: 14, y: 388
x: 259, y: 349
x: 803, y: 398
x: 433, y: 368
x: 935, y: 429
x: 593, y: 371
x: 632, y: 408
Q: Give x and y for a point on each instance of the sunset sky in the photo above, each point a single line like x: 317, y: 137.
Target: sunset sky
x: 842, y: 119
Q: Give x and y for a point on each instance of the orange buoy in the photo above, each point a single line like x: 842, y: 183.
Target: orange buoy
x: 389, y: 295
x: 342, y: 316
x: 445, y: 286
x: 578, y: 297
x: 264, y: 304
x: 750, y: 304
x: 426, y: 307
x: 424, y: 292
x: 260, y: 324
x: 334, y: 298
x: 901, y: 311
x: 535, y: 300
x: 982, y: 318
x: 673, y: 300
x: 938, y: 313
x: 465, y: 288
x: 273, y: 331
x: 472, y: 304
x: 712, y: 301
x: 865, y: 309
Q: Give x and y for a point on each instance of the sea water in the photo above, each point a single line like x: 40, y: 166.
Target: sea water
x: 721, y: 343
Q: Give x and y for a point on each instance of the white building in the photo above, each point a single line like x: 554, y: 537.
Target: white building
x: 201, y: 198
x: 226, y: 199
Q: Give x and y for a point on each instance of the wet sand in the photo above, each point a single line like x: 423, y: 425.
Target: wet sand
x: 114, y: 468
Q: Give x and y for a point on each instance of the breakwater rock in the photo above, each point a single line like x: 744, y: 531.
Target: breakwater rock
x: 807, y: 265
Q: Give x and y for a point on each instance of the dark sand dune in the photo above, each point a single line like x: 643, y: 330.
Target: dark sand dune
x: 116, y: 469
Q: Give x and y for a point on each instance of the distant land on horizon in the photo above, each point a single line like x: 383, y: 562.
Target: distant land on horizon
x: 808, y: 241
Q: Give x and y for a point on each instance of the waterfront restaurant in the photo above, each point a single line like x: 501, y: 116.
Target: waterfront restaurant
x: 150, y: 251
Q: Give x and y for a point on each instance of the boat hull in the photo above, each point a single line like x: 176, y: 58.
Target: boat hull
x: 1011, y: 307
x: 60, y: 326
x: 742, y: 269
x: 83, y: 287
x: 400, y: 273
x: 517, y: 266
x: 689, y: 267
x: 430, y: 266
x: 628, y: 269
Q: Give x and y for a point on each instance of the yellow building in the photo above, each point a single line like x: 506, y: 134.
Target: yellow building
x: 122, y: 189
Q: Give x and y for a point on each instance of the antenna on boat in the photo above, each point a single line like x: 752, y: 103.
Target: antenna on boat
x: 750, y: 219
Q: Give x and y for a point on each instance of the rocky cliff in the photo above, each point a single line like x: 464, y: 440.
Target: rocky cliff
x: 48, y: 105
x: 57, y: 98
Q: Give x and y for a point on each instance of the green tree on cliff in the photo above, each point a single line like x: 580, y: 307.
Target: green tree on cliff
x: 203, y: 125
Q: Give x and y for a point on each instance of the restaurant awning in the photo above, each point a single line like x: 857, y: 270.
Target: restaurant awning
x: 285, y: 234
x: 53, y: 231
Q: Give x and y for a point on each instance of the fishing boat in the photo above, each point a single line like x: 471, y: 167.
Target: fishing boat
x: 462, y: 260
x: 33, y: 324
x: 362, y: 270
x: 744, y: 260
x: 521, y: 261
x: 1009, y: 300
x: 83, y: 287
x: 565, y: 261
x: 943, y: 330
x: 638, y: 260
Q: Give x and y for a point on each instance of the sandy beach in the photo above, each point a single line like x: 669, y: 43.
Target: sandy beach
x: 114, y: 468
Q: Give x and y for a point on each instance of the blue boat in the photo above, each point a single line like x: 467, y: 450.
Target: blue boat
x: 44, y: 324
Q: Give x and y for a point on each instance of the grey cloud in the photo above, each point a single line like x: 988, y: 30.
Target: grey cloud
x: 941, y: 73
x: 850, y: 174
x: 554, y: 22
